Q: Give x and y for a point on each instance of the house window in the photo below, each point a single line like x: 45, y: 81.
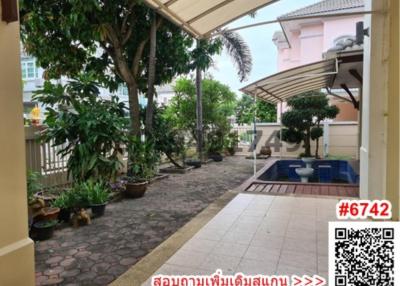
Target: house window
x: 29, y: 70
x: 122, y: 90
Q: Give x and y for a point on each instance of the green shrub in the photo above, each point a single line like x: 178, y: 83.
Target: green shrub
x: 33, y: 185
x: 87, y: 129
x: 143, y: 159
x: 96, y: 192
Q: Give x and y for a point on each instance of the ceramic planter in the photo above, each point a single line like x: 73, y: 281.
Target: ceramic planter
x: 216, y: 157
x: 44, y: 229
x: 135, y: 189
x: 195, y: 163
x: 98, y: 209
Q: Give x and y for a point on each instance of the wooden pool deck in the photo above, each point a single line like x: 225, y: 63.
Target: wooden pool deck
x: 337, y: 190
x: 253, y: 185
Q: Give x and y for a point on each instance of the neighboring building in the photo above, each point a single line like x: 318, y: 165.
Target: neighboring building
x: 32, y: 77
x: 305, y: 41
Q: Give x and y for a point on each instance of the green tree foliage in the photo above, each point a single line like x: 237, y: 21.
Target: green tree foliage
x: 87, y: 129
x: 265, y: 111
x: 108, y: 38
x: 169, y: 139
x: 302, y: 121
x: 219, y: 104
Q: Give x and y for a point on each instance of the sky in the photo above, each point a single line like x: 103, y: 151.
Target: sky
x: 259, y: 39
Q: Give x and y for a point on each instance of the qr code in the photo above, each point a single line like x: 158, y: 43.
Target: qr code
x: 363, y: 253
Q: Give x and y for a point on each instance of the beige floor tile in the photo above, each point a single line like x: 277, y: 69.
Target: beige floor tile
x: 187, y: 258
x: 322, y: 265
x: 169, y: 269
x: 276, y: 217
x: 322, y: 248
x: 268, y: 241
x: 230, y: 249
x: 243, y: 227
x: 263, y: 254
x: 210, y: 234
x: 238, y: 237
x: 303, y: 260
x: 302, y: 234
x: 298, y: 245
x: 271, y: 229
x: 289, y: 270
x: 200, y: 245
x: 218, y: 261
x: 255, y: 267
x: 254, y: 213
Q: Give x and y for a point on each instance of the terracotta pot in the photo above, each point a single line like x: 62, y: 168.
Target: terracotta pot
x: 49, y: 213
x: 136, y: 189
x: 266, y: 151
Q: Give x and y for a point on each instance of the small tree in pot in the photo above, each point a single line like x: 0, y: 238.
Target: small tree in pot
x: 143, y: 159
x: 87, y: 129
x: 302, y: 121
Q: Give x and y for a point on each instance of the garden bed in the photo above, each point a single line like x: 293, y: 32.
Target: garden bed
x: 175, y: 170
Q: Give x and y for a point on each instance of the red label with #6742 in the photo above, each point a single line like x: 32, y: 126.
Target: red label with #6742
x: 364, y: 209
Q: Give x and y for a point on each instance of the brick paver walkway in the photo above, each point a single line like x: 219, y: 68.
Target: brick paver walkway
x: 97, y: 254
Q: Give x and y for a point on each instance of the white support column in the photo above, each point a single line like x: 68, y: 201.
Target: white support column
x: 374, y: 108
x: 16, y: 248
x: 255, y: 135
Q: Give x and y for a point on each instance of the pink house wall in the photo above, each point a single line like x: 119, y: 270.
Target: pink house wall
x: 310, y: 40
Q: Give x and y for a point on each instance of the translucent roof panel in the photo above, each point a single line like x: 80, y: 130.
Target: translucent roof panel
x: 201, y: 17
x: 286, y: 84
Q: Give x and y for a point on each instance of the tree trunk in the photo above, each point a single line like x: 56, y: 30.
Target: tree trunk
x: 307, y: 143
x: 171, y: 159
x: 317, y: 142
x: 152, y: 75
x: 199, y: 113
x: 134, y: 109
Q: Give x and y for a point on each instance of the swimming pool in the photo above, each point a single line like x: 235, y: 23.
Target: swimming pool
x: 325, y: 171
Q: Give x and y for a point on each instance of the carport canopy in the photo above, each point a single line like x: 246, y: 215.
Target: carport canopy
x: 201, y: 17
x: 282, y: 86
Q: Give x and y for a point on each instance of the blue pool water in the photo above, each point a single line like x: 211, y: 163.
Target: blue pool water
x: 326, y: 171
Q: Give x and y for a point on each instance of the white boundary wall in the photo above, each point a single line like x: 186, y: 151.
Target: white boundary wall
x: 341, y: 140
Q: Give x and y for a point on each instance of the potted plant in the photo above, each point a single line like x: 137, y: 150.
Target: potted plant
x: 64, y: 203
x: 215, y: 144
x: 44, y: 229
x: 35, y: 205
x: 97, y: 196
x: 141, y: 167
x: 195, y: 162
x: 48, y: 213
x: 231, y: 143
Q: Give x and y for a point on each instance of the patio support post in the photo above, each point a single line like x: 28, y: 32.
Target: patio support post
x: 280, y: 131
x: 16, y: 248
x: 199, y: 110
x: 255, y: 134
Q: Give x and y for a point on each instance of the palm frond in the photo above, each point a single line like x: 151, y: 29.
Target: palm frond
x: 239, y: 51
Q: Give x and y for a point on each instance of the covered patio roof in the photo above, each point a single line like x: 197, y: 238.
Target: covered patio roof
x: 286, y: 84
x: 200, y: 18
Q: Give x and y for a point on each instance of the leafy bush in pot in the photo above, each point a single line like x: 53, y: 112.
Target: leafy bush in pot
x: 97, y: 192
x: 33, y: 185
x: 143, y: 159
x: 85, y: 127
